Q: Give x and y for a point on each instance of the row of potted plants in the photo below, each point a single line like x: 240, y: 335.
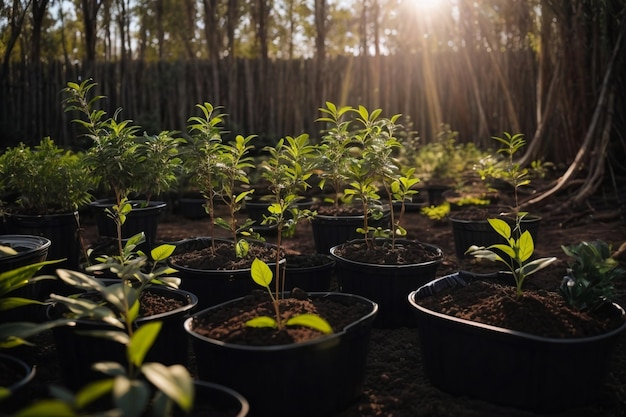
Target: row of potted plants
x: 358, y: 156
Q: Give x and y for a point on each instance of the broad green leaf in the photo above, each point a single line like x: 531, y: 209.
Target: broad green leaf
x: 133, y: 312
x: 9, y: 303
x: 47, y: 407
x: 92, y: 391
x: 262, y: 321
x: 261, y: 273
x: 275, y: 208
x: 131, y: 396
x: 526, y: 246
x: 480, y: 252
x: 112, y: 369
x: 79, y: 280
x: 174, y: 381
x: 141, y: 342
x: 501, y: 227
x: 15, y: 333
x: 162, y: 252
x: 536, y: 265
x: 509, y: 251
x: 312, y: 321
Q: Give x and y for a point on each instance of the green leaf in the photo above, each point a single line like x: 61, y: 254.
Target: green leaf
x: 47, y: 407
x: 261, y: 273
x: 9, y: 303
x: 92, y: 391
x: 312, y: 321
x: 536, y: 265
x: 262, y: 321
x: 509, y: 251
x: 141, y: 342
x: 131, y: 396
x: 174, y: 381
x: 526, y: 246
x: 501, y: 227
x: 109, y: 368
x: 162, y: 252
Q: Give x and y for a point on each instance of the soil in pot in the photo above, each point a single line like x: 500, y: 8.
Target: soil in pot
x: 228, y: 322
x: 223, y: 257
x: 539, y: 312
x: 385, y: 254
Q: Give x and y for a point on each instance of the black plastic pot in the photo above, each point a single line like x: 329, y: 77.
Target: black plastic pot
x: 20, y: 374
x: 315, y: 278
x: 192, y: 208
x: 213, y: 286
x: 77, y: 352
x: 309, y: 379
x: 140, y: 219
x: 479, y: 232
x: 60, y: 229
x: 214, y: 399
x: 386, y: 285
x: 30, y: 249
x: 509, y: 367
x: 329, y: 231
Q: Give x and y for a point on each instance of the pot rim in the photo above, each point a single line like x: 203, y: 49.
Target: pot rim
x: 501, y: 330
x: 434, y: 248
x: 29, y: 372
x: 245, y: 405
x: 292, y: 346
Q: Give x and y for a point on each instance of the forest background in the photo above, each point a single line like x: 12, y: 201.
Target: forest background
x: 551, y: 69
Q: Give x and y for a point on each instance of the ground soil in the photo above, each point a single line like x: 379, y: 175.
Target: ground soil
x: 395, y: 384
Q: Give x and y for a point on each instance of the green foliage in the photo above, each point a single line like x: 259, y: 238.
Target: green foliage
x: 515, y: 254
x: 591, y: 275
x: 262, y: 275
x: 17, y: 333
x: 47, y: 178
x: 438, y: 213
x: 218, y: 169
x: 358, y: 155
x: 444, y: 161
x: 159, y: 162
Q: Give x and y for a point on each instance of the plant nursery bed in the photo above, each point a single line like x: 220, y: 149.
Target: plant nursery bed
x: 395, y: 384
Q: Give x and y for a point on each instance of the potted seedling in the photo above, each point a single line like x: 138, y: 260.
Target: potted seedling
x: 495, y: 321
x: 51, y: 185
x: 471, y: 226
x: 303, y: 346
x: 287, y: 171
x: 125, y: 163
x: 383, y: 265
x: 218, y: 267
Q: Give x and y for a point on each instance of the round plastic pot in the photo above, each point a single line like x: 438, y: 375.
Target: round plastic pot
x: 315, y: 278
x: 309, y: 379
x: 509, y: 367
x: 214, y: 399
x: 140, y: 219
x: 479, y: 232
x: 213, y: 286
x: 21, y: 375
x: 60, y: 229
x: 30, y: 249
x: 386, y: 285
x: 329, y: 231
x: 77, y: 352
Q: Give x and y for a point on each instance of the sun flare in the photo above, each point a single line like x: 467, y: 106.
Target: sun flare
x: 427, y: 4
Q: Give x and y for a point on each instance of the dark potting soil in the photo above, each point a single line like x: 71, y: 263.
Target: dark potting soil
x: 227, y: 323
x: 386, y: 254
x: 539, y: 312
x: 223, y: 257
x: 306, y: 260
x: 151, y: 304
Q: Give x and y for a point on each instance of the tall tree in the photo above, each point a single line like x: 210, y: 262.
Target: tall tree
x: 17, y: 15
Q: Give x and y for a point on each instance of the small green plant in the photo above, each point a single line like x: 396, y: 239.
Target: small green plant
x: 220, y: 171
x: 288, y: 168
x: 590, y: 281
x: 48, y: 179
x: 262, y: 275
x: 516, y: 252
x: 438, y: 213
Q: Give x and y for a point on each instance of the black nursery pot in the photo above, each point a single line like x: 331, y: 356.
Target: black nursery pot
x: 213, y: 286
x: 313, y: 278
x: 140, y: 219
x: 386, y: 285
x: 30, y: 249
x: 479, y: 232
x: 329, y: 231
x: 509, y: 367
x: 217, y: 400
x: 17, y: 374
x: 77, y: 352
x: 310, y: 379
